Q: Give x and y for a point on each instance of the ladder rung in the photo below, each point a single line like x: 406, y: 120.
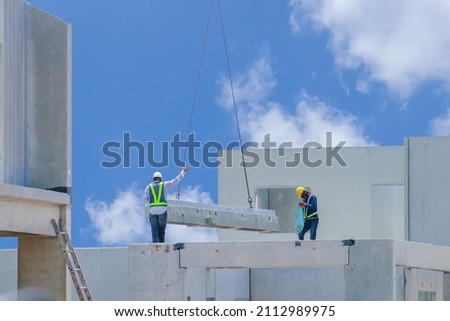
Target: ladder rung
x: 66, y: 247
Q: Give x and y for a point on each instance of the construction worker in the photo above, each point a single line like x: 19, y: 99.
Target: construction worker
x: 309, y: 203
x: 155, y: 195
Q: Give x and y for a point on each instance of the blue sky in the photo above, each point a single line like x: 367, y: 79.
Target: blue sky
x: 370, y: 72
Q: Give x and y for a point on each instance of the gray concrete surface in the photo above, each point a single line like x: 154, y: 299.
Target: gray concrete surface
x: 368, y: 270
x: 345, y: 193
x: 13, y: 92
x: 427, y: 168
x: 35, y: 142
x: 398, y: 193
x: 316, y: 270
x: 222, y: 216
x: 106, y: 272
x: 49, y: 114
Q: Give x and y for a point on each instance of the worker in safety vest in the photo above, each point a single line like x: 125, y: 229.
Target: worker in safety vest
x: 309, y: 203
x: 155, y: 196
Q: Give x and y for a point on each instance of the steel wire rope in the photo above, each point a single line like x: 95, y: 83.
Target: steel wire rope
x: 249, y: 198
x: 194, y: 100
x: 197, y: 84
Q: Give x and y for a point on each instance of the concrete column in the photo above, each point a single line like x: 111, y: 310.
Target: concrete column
x: 370, y: 274
x: 155, y: 273
x: 41, y: 266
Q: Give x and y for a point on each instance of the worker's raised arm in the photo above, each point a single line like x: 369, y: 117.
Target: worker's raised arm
x: 174, y: 182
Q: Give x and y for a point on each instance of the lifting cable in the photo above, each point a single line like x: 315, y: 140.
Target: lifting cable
x: 197, y: 84
x: 249, y: 198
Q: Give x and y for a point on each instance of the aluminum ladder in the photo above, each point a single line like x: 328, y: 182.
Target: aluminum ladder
x: 72, y: 260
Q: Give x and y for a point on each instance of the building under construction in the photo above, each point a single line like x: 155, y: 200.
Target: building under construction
x: 384, y: 211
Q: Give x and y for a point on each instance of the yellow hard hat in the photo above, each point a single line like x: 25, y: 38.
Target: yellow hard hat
x: 299, y: 191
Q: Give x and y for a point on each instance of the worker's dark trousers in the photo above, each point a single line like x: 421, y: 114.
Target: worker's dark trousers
x: 158, y: 224
x: 309, y: 225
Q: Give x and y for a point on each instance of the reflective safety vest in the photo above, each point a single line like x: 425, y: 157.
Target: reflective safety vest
x: 307, y: 215
x: 157, y: 200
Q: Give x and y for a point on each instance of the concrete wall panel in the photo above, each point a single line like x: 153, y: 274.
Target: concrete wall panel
x: 2, y: 109
x: 388, y: 213
x: 232, y: 285
x: 196, y: 287
x: 297, y: 284
x: 344, y: 192
x: 428, y: 201
x: 14, y: 92
x: 217, y: 284
x: 106, y: 273
x: 49, y: 95
x: 2, y: 92
x: 8, y: 275
x: 35, y: 97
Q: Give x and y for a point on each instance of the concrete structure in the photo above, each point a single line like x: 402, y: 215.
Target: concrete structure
x: 368, y: 191
x: 280, y: 270
x: 382, y: 197
x: 261, y: 270
x: 397, y: 192
x: 397, y: 255
x: 390, y: 201
x: 35, y: 141
x: 222, y: 216
x: 427, y: 205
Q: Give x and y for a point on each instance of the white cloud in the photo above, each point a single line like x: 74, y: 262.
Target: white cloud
x: 124, y: 221
x: 250, y: 88
x: 402, y: 43
x: 440, y: 126
x: 192, y: 194
x: 120, y: 222
x: 309, y: 123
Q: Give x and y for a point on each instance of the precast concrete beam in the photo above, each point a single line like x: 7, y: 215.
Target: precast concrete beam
x: 270, y: 254
x: 222, y: 216
x: 422, y: 256
x: 35, y: 195
x: 29, y: 210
